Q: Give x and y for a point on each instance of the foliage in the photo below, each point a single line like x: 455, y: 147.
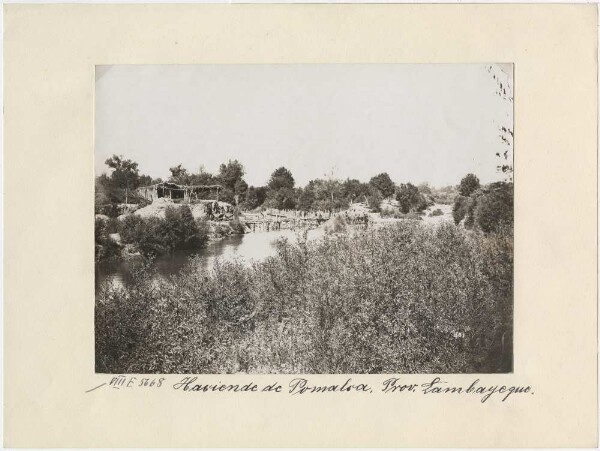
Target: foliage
x: 384, y: 184
x: 444, y: 195
x: 281, y: 178
x: 468, y: 185
x: 155, y: 236
x: 410, y: 199
x: 282, y: 199
x: 230, y: 174
x: 306, y: 199
x: 460, y: 208
x: 280, y: 190
x: 337, y: 224
x: 355, y: 191
x: 436, y: 212
x: 105, y: 247
x: 495, y: 208
x: 393, y: 213
x: 251, y: 202
x: 118, y: 187
x: 180, y: 229
x: 125, y: 172
x: 406, y: 298
x: 146, y: 234
x: 179, y: 175
x: 488, y: 209
x: 374, y: 199
x: 424, y: 188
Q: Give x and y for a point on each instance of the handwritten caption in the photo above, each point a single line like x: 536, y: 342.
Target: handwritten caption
x: 299, y: 386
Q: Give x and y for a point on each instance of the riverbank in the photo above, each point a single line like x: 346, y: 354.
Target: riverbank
x: 153, y: 230
x: 247, y: 249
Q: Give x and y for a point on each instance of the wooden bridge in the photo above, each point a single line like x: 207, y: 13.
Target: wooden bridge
x: 269, y: 222
x: 292, y: 219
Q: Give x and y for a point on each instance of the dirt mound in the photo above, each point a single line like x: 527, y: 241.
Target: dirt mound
x: 199, y: 210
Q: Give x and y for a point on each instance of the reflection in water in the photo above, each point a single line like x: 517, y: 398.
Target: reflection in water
x: 246, y: 248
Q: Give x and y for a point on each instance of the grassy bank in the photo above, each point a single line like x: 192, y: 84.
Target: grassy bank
x: 405, y: 298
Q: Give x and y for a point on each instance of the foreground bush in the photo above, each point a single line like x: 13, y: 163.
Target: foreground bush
x: 406, y: 298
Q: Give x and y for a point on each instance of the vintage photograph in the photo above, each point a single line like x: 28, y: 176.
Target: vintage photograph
x: 304, y: 219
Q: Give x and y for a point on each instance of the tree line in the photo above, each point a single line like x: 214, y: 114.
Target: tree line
x: 280, y: 191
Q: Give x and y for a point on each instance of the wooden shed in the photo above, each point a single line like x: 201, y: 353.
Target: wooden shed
x: 168, y: 190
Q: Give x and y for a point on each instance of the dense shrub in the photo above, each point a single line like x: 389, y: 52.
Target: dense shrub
x: 495, y: 208
x: 180, y: 230
x: 110, y: 210
x: 436, y: 212
x: 487, y: 209
x: 219, y: 231
x: 410, y: 199
x: 405, y: 298
x: 155, y: 236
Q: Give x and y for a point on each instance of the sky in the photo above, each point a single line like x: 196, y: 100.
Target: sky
x: 419, y: 123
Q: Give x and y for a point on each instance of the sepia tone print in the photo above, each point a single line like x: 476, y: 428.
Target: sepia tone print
x: 304, y: 219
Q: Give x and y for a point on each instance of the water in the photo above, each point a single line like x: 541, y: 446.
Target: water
x: 246, y: 248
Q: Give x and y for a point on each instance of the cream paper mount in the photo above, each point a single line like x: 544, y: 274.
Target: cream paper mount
x: 51, y: 52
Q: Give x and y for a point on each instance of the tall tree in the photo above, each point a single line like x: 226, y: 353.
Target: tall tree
x: 384, y: 184
x: 306, y: 200
x: 281, y: 178
x: 354, y: 190
x: 251, y: 201
x: 231, y: 173
x: 125, y: 174
x: 179, y: 175
x: 468, y: 185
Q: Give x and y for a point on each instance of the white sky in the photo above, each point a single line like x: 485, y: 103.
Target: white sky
x: 419, y: 123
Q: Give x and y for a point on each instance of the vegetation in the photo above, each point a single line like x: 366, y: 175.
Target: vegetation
x: 280, y: 191
x: 374, y: 200
x: 468, y: 185
x: 444, y: 195
x: 118, y: 187
x: 396, y: 214
x: 410, y: 198
x: 489, y: 208
x: 405, y: 298
x: 105, y: 247
x: 155, y: 236
x: 337, y: 224
x: 383, y: 183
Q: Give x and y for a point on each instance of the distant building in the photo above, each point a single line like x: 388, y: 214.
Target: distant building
x: 168, y: 190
